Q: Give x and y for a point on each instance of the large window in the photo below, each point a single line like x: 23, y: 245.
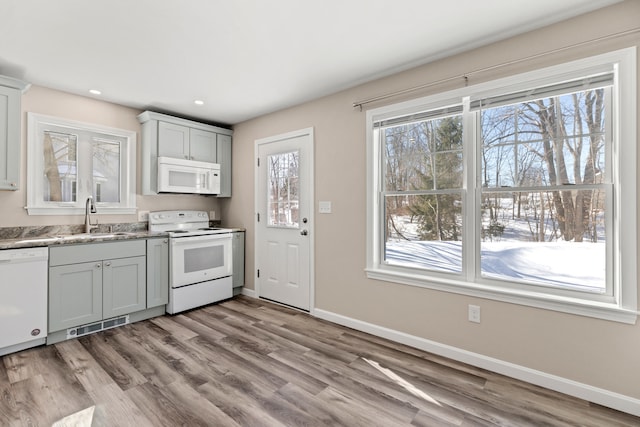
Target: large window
x: 521, y: 189
x: 70, y: 161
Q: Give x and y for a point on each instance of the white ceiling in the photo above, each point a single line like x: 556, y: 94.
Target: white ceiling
x: 245, y: 58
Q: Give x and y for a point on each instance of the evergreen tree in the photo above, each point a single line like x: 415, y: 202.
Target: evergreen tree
x: 439, y: 215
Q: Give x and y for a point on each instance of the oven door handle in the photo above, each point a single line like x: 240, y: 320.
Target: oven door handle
x: 204, y: 238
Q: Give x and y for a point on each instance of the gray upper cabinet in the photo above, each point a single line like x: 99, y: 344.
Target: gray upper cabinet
x: 202, y: 145
x: 168, y: 136
x: 183, y: 142
x: 10, y: 98
x: 173, y: 140
x: 224, y: 158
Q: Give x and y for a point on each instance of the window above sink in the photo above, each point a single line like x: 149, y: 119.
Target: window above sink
x: 69, y: 161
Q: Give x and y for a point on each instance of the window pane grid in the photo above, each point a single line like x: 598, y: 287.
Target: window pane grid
x: 106, y: 170
x: 60, y: 154
x: 424, y: 231
x: 543, y: 193
x: 67, y: 166
x: 422, y: 193
x: 542, y: 185
x: 562, y: 141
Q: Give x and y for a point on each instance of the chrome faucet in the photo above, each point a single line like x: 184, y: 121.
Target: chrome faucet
x: 89, y: 208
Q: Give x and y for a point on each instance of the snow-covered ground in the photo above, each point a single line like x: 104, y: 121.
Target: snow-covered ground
x: 579, y: 266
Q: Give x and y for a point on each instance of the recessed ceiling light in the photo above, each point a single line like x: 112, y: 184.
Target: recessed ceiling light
x: 198, y: 102
x: 95, y: 92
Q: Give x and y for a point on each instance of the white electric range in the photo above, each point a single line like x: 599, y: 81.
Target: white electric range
x: 200, y: 261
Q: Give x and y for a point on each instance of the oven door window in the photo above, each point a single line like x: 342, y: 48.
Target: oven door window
x: 199, y: 259
x: 205, y: 258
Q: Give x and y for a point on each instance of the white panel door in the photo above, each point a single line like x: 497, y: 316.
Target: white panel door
x: 284, y: 218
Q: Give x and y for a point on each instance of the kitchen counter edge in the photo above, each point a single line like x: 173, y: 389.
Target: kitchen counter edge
x: 45, y: 241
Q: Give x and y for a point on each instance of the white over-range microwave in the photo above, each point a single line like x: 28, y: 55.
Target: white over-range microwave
x: 188, y: 176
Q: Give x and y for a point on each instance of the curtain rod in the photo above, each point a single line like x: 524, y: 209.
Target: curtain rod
x: 465, y: 76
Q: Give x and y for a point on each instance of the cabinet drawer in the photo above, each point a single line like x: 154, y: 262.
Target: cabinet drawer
x: 72, y: 254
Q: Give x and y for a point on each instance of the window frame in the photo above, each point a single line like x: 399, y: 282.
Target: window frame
x: 622, y: 305
x: 36, y: 125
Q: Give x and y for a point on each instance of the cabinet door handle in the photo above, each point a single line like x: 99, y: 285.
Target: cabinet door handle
x: 107, y: 264
x: 98, y: 265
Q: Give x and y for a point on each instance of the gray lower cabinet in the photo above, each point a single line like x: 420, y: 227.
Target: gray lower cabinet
x: 124, y: 286
x: 157, y: 272
x: 238, y: 261
x: 92, y: 282
x: 75, y: 295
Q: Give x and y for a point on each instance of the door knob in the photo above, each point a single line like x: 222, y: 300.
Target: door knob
x: 304, y: 232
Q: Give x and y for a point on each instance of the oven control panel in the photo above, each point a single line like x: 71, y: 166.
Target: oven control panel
x: 178, y: 217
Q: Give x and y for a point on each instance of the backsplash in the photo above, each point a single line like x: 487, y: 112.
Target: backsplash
x: 54, y: 230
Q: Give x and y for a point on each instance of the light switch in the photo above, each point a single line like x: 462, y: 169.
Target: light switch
x: 324, y: 207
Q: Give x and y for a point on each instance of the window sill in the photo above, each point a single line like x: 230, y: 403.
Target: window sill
x: 580, y: 307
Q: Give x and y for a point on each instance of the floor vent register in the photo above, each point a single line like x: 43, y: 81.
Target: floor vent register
x: 96, y: 327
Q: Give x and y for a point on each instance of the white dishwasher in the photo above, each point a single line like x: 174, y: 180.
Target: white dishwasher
x: 23, y: 298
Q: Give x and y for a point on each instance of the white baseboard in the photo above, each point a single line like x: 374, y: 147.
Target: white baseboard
x: 597, y: 395
x: 249, y: 292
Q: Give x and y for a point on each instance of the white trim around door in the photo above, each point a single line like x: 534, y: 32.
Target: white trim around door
x: 285, y: 223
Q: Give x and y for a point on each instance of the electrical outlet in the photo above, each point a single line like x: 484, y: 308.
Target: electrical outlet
x: 143, y: 216
x: 212, y: 215
x: 474, y: 313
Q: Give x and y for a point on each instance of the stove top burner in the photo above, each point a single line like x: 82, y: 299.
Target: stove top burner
x: 210, y: 228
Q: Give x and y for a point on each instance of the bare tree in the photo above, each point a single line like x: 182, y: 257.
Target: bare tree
x: 554, y: 115
x: 51, y: 171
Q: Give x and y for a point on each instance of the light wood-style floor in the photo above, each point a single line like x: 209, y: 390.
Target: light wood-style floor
x: 252, y: 363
